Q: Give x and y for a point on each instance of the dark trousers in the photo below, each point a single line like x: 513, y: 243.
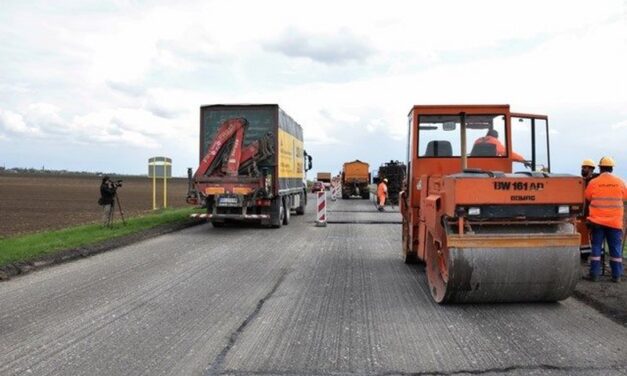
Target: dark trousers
x: 614, y: 240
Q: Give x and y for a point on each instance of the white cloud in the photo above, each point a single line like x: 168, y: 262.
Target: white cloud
x: 619, y: 125
x: 336, y: 47
x: 134, y: 74
x: 13, y: 124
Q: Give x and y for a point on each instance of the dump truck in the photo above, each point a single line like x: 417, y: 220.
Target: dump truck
x: 484, y: 232
x: 394, y: 171
x: 355, y: 179
x: 252, y: 165
x: 325, y: 178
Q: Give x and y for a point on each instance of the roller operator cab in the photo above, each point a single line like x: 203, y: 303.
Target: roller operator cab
x: 482, y: 209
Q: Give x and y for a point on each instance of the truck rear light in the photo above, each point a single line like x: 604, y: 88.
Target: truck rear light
x: 214, y: 191
x: 241, y: 190
x: 262, y: 203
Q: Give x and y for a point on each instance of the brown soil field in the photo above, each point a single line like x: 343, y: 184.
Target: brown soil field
x: 31, y: 202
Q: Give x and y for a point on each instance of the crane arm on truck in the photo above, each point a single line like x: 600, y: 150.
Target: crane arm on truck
x: 229, y: 140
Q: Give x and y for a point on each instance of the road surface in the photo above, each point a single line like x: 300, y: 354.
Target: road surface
x: 299, y: 300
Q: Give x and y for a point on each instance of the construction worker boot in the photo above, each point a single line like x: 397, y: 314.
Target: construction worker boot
x: 592, y: 278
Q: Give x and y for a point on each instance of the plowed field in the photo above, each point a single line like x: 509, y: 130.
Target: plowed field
x: 30, y: 203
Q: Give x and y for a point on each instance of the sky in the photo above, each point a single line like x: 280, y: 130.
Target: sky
x: 105, y: 85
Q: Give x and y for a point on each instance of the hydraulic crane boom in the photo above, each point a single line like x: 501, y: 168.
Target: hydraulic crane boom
x: 229, y: 128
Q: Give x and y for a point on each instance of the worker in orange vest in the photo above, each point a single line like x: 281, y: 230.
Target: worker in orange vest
x: 382, y: 191
x: 606, y: 195
x: 587, y: 173
x: 587, y: 170
x: 492, y: 137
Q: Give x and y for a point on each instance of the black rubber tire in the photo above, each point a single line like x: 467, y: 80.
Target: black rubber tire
x: 277, y: 222
x: 286, y: 212
x: 410, y: 259
x: 303, y: 203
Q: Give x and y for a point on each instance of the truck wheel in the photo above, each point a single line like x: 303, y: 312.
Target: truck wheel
x: 365, y: 195
x: 277, y: 213
x: 286, y: 212
x: 303, y: 203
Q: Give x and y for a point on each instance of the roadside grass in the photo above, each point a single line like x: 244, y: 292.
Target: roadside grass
x: 29, y: 246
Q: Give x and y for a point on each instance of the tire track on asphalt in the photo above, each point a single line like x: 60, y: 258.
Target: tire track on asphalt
x: 499, y: 371
x: 218, y: 363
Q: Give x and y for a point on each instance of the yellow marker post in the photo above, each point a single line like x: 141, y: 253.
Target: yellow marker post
x: 162, y: 167
x: 165, y: 188
x: 154, y: 187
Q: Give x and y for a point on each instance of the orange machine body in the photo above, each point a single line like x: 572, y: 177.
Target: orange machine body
x: 453, y: 212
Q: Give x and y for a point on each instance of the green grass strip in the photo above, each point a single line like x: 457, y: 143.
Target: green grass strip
x: 26, y: 247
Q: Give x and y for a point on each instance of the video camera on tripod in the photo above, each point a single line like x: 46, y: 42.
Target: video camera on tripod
x: 114, y: 186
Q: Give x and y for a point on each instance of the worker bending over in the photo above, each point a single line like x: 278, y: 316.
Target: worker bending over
x: 606, y: 195
x: 382, y: 191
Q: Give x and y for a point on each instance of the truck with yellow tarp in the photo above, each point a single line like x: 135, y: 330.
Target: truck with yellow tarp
x: 252, y: 165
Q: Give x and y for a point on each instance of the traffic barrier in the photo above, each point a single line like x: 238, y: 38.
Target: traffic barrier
x: 333, y: 193
x: 321, y: 213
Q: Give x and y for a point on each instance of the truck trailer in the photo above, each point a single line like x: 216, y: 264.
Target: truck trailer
x: 252, y: 165
x: 355, y: 179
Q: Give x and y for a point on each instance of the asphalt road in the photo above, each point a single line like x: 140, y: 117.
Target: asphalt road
x: 299, y: 300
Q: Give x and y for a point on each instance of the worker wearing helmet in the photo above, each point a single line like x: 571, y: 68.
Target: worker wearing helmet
x: 587, y: 173
x: 606, y: 194
x: 492, y: 137
x: 382, y: 191
x: 587, y: 170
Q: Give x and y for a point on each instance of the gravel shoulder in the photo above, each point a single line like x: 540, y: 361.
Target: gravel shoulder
x: 606, y: 296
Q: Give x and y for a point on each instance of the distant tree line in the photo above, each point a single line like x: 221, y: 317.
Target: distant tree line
x: 43, y: 171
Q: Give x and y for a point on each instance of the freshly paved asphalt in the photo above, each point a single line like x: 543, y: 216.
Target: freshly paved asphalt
x: 299, y: 300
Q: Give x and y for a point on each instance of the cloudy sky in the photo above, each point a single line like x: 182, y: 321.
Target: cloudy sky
x: 102, y: 86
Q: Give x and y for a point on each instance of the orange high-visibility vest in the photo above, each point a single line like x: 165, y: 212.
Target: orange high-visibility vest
x: 500, y: 148
x: 606, y: 194
x: 382, y: 189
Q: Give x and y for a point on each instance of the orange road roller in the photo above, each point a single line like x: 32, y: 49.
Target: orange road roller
x: 482, y: 209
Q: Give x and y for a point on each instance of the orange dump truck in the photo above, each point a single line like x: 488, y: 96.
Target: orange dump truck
x: 355, y: 179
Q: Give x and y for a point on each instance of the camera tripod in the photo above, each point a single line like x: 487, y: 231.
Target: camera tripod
x: 112, y: 211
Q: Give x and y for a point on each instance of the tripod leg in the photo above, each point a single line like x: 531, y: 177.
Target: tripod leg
x: 117, y: 199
